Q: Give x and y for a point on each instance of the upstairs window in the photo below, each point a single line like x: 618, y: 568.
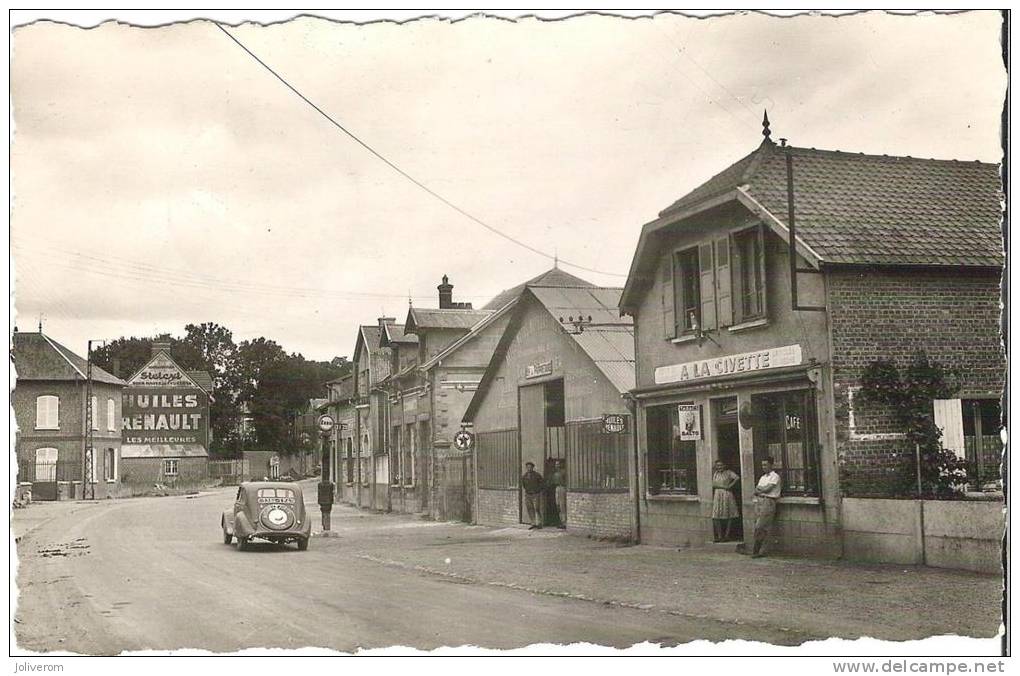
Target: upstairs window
x: 748, y: 250
x: 715, y: 284
x: 111, y: 415
x: 94, y: 413
x: 687, y: 291
x: 47, y: 410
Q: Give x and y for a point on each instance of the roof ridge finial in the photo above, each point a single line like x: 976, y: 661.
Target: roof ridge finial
x: 556, y: 258
x: 766, y: 132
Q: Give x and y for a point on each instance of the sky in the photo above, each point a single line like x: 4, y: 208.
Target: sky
x: 161, y: 176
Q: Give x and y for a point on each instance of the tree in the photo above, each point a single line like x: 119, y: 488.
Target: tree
x: 132, y: 354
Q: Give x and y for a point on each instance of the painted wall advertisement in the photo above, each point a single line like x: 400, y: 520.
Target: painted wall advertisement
x: 162, y: 405
x: 171, y: 415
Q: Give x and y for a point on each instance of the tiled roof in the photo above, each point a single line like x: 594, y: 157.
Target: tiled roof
x: 429, y: 318
x: 202, y: 379
x: 874, y: 210
x: 394, y: 333
x: 369, y: 334
x: 39, y: 357
x: 551, y: 277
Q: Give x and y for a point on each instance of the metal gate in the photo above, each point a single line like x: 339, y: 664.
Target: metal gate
x: 456, y: 479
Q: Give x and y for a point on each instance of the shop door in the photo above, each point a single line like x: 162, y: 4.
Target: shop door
x: 532, y: 412
x: 727, y: 450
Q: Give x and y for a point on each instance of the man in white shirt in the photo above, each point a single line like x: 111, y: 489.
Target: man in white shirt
x: 766, y: 495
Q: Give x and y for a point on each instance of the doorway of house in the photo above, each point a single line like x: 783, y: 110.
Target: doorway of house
x: 727, y: 445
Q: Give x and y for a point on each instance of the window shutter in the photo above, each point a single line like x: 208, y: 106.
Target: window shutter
x: 761, y: 270
x: 707, y: 286
x: 737, y: 286
x: 723, y: 282
x: 668, y: 304
x: 948, y: 415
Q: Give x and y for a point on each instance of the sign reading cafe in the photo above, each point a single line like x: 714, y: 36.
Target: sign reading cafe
x: 761, y: 360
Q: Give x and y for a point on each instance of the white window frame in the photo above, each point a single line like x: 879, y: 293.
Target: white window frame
x: 110, y: 462
x: 167, y: 466
x: 111, y: 414
x: 47, y: 412
x: 55, y: 457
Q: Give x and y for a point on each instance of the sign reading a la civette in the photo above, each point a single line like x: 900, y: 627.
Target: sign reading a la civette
x: 162, y: 405
x: 733, y: 364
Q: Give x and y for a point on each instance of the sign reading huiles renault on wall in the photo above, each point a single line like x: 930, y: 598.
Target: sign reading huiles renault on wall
x: 163, y: 405
x: 728, y: 365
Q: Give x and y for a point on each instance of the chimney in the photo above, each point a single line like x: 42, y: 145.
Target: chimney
x: 160, y: 345
x: 116, y: 366
x: 383, y: 321
x: 445, y: 294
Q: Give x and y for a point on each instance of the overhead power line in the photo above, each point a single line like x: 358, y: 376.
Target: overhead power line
x: 403, y: 173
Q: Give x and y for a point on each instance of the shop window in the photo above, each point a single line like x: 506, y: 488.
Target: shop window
x: 170, y: 467
x: 748, y: 249
x: 597, y: 460
x: 111, y: 415
x: 499, y: 459
x: 110, y: 464
x: 47, y: 409
x: 786, y: 431
x: 672, y: 462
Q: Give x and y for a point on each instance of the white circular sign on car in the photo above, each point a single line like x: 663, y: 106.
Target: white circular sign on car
x: 326, y: 423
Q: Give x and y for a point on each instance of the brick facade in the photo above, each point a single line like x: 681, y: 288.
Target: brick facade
x: 953, y: 316
x: 601, y: 515
x: 497, y: 507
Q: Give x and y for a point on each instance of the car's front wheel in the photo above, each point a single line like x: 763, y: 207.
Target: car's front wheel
x: 227, y: 537
x: 302, y: 544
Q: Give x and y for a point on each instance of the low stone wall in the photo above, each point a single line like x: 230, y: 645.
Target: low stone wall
x: 959, y: 534
x: 497, y: 507
x: 603, y: 515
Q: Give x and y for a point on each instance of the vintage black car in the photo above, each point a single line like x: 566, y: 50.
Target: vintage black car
x: 267, y: 510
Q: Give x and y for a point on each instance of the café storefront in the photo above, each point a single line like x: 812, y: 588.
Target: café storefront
x: 738, y: 409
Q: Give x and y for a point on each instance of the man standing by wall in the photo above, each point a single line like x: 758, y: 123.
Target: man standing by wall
x: 766, y: 495
x: 533, y: 486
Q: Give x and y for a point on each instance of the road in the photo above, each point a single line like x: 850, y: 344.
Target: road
x: 154, y: 574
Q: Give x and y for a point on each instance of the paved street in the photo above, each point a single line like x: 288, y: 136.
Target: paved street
x: 153, y: 573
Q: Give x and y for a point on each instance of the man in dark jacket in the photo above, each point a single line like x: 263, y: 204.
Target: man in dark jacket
x: 533, y: 485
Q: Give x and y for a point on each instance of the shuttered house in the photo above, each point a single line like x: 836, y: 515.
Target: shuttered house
x: 371, y: 469
x: 49, y: 402
x: 553, y: 394
x: 741, y: 355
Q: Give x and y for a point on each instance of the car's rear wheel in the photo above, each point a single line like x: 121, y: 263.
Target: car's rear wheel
x: 227, y: 537
x: 302, y: 544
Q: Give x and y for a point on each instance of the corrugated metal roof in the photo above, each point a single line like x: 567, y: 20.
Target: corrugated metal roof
x: 551, y: 277
x: 163, y: 451
x: 607, y: 338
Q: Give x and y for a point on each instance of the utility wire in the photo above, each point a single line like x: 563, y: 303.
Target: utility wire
x: 403, y: 173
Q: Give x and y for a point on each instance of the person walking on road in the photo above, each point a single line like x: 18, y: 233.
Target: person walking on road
x: 534, y: 492
x: 766, y: 495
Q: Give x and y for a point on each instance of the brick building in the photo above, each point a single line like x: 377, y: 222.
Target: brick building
x: 455, y: 343
x: 371, y: 367
x: 552, y: 394
x: 166, y: 431
x: 896, y: 255
x: 342, y: 465
x: 49, y: 402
